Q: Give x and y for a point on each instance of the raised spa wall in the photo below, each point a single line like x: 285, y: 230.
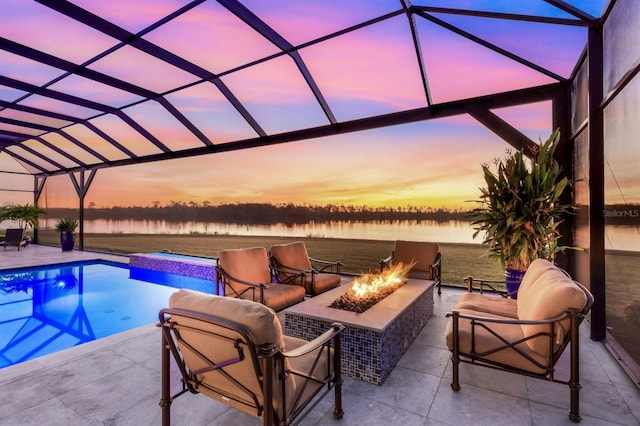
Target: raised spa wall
x: 188, y: 266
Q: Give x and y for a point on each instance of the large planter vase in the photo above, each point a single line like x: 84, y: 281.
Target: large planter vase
x: 67, y: 240
x: 513, y: 277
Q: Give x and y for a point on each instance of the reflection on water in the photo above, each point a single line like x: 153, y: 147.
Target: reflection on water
x: 453, y: 231
x: 622, y: 238
x: 617, y: 237
x: 50, y: 308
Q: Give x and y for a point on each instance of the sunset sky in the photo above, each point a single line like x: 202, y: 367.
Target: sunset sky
x: 434, y: 164
x: 367, y: 72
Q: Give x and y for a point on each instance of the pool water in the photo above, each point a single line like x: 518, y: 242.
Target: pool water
x: 50, y: 308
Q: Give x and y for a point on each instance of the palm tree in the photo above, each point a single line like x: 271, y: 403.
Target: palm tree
x: 26, y: 215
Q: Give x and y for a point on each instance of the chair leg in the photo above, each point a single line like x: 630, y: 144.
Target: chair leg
x: 455, y: 357
x: 165, y: 401
x: 574, y: 381
x: 338, y: 412
x: 267, y: 392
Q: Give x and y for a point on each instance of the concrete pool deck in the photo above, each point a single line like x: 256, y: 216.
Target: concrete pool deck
x: 116, y: 381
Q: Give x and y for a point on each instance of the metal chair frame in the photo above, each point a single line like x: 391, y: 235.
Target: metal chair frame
x: 572, y: 339
x: 266, y: 360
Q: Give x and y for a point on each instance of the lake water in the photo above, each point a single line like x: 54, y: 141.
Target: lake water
x: 454, y: 231
x: 450, y: 232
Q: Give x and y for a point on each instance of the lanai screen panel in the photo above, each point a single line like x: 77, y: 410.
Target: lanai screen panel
x: 165, y: 78
x: 622, y: 177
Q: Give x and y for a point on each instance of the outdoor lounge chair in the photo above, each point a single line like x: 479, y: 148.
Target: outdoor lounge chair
x: 246, y: 274
x: 294, y: 266
x: 525, y: 336
x: 234, y: 351
x: 427, y: 258
x: 13, y: 237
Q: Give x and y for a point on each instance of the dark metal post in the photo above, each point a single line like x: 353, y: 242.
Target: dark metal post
x: 561, y: 119
x: 81, y: 195
x: 81, y: 189
x: 596, y: 184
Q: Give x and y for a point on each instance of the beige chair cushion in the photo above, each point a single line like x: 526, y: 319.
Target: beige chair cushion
x: 421, y: 252
x: 263, y: 326
x: 278, y: 296
x: 485, y: 341
x: 491, y: 304
x: 534, y: 271
x: 250, y: 264
x: 293, y: 255
x: 551, y: 294
x: 321, y: 282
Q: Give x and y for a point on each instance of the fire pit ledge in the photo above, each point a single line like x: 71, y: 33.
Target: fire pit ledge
x: 374, y: 340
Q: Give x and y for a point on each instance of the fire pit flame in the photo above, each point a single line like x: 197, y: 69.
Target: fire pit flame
x: 369, y: 284
x: 369, y: 289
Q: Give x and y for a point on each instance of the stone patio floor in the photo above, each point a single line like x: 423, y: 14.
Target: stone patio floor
x: 116, y: 381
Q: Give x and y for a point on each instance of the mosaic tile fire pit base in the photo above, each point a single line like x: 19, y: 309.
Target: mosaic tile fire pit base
x: 373, y: 341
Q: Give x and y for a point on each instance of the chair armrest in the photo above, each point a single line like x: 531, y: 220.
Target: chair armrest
x: 288, y: 275
x: 482, y: 283
x: 386, y: 262
x: 289, y: 270
x: 514, y: 321
x: 223, y: 273
x: 326, y: 264
x: 436, y: 263
x: 336, y: 329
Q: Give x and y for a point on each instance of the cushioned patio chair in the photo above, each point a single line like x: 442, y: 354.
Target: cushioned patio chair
x: 13, y: 237
x: 246, y: 274
x: 234, y: 352
x: 294, y: 266
x: 525, y: 336
x: 427, y: 258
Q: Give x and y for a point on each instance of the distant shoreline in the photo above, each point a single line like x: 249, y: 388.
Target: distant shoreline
x: 264, y: 213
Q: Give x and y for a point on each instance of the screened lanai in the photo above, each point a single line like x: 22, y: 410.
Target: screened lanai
x: 102, y: 99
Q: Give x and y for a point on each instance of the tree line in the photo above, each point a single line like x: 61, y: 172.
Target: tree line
x: 262, y: 213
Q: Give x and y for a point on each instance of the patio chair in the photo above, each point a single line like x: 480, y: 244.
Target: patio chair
x: 525, y: 336
x: 13, y: 237
x: 427, y: 258
x: 234, y: 351
x: 246, y: 274
x: 294, y: 266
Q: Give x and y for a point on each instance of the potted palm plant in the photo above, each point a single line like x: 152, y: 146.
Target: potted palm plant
x: 27, y: 215
x: 520, y: 209
x: 67, y: 227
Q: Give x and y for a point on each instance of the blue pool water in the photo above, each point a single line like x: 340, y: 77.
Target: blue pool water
x: 50, y: 308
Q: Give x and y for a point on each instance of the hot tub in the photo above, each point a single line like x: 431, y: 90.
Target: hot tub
x: 180, y: 264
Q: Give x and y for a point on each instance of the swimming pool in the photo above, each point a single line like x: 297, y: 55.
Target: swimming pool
x: 50, y: 308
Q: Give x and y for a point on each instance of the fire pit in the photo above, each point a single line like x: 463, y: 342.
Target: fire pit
x: 374, y: 340
x: 369, y: 289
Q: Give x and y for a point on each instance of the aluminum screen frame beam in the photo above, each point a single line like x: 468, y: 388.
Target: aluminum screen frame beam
x: 447, y: 109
